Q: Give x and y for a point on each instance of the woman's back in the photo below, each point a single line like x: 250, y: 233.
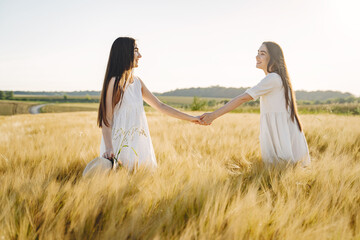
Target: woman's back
x: 132, y: 99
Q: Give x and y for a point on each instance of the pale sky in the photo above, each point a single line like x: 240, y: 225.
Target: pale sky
x: 64, y: 45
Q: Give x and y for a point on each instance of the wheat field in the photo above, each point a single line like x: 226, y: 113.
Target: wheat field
x: 210, y: 183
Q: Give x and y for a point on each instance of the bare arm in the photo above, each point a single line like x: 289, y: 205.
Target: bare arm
x: 106, y: 131
x: 234, y: 103
x: 154, y: 102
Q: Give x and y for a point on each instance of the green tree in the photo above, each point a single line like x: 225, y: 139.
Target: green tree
x: 65, y: 97
x: 350, y: 99
x: 9, y: 95
x: 341, y: 100
x: 198, y: 104
x: 211, y: 103
x: 2, y: 95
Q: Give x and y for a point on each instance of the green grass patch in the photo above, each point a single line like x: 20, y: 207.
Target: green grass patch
x: 70, y: 107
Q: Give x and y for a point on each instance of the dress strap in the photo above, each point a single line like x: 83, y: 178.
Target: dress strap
x: 137, y: 81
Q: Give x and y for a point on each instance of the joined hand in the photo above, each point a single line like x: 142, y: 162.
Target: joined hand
x: 196, y: 120
x: 206, y: 119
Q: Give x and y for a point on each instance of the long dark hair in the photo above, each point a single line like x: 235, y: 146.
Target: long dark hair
x: 277, y: 64
x: 120, y: 65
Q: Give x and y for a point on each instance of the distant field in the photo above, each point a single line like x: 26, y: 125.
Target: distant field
x: 341, y: 109
x: 344, y: 108
x: 69, y: 107
x: 179, y: 102
x: 8, y: 107
x: 82, y: 103
x: 167, y: 99
x: 54, y: 97
x: 174, y: 100
x: 77, y: 107
x: 57, y: 99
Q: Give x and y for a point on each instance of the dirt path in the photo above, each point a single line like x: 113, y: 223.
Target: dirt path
x: 36, y: 109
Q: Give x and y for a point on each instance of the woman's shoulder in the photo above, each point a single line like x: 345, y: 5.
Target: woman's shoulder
x: 138, y: 80
x: 274, y: 78
x: 274, y: 75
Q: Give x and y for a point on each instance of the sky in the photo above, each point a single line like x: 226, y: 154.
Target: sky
x: 64, y: 45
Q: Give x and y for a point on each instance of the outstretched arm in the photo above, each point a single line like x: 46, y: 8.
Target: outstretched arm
x: 154, y: 102
x: 207, y: 118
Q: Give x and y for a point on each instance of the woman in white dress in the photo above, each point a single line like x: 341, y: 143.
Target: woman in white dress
x: 125, y: 133
x: 281, y: 134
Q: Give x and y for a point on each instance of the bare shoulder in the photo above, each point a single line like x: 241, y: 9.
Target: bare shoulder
x: 111, y: 82
x: 109, y: 90
x: 140, y: 81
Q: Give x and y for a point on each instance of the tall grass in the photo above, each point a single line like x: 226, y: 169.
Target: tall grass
x: 210, y: 183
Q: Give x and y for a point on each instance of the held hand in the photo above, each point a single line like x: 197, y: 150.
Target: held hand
x: 206, y: 118
x: 196, y: 120
x: 109, y: 154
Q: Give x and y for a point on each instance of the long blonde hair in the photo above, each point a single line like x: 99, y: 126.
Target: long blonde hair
x: 277, y: 64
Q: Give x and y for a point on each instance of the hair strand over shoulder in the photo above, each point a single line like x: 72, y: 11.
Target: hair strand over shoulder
x: 119, y: 66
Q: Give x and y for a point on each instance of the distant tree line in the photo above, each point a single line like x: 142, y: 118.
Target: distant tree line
x: 305, y: 97
x: 210, y: 92
x: 223, y: 92
x: 73, y: 93
x: 59, y: 99
x: 6, y: 95
x: 321, y: 95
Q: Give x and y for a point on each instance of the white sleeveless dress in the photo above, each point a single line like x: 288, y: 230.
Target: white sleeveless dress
x: 130, y: 132
x: 280, y: 137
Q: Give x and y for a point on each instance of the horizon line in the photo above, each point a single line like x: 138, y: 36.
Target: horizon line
x: 172, y: 90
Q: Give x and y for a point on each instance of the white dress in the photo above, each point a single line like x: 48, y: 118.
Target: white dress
x: 280, y: 137
x: 130, y: 132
